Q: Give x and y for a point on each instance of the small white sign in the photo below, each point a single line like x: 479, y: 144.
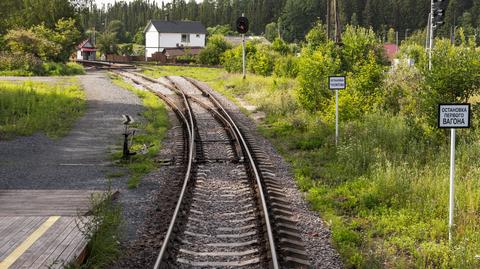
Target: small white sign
x: 454, y: 116
x: 337, y: 83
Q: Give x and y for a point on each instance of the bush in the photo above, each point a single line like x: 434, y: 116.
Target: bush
x: 286, y: 66
x: 44, y: 43
x: 314, y: 69
x: 20, y: 64
x: 455, y: 76
x: 125, y: 49
x: 60, y: 69
x: 317, y: 36
x: 232, y: 58
x: 358, y: 42
x: 415, y: 52
x: 29, y: 42
x: 213, y: 52
x: 280, y: 46
x: 262, y: 61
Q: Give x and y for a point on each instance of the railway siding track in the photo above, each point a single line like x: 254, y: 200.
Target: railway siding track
x: 233, y: 213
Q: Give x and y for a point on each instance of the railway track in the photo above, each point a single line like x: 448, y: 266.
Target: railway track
x: 230, y: 212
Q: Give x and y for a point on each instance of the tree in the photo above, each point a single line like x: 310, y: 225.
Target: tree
x: 317, y: 36
x: 354, y: 19
x: 67, y: 36
x: 107, y: 43
x: 271, y: 31
x: 116, y: 27
x: 46, y: 12
x: 47, y: 44
x: 455, y: 76
x: 297, y: 18
x: 139, y: 37
x: 358, y: 42
x: 220, y: 30
x: 25, y: 42
x: 314, y: 69
x: 391, y: 36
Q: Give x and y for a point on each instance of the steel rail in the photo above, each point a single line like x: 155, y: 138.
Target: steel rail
x: 225, y: 121
x: 184, y: 187
x: 239, y: 137
x: 190, y: 128
x: 271, y: 241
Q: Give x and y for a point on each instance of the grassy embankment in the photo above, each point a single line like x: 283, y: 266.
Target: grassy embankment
x: 150, y: 132
x: 29, y: 107
x: 384, y: 194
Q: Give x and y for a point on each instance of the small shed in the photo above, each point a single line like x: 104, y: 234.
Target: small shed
x: 86, y: 50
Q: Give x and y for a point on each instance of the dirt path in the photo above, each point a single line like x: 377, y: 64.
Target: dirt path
x: 80, y: 160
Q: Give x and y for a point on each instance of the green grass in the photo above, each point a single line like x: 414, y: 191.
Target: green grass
x: 26, y: 108
x: 48, y: 69
x: 102, y: 230
x: 150, y: 132
x: 383, y: 190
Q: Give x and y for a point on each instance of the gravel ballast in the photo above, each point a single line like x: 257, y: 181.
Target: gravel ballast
x: 315, y: 232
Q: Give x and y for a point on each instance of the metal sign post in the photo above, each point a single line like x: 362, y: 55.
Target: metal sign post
x: 453, y: 116
x: 243, y: 57
x: 336, y: 84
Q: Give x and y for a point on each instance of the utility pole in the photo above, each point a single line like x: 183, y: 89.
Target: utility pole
x: 430, y: 43
x: 338, y: 37
x: 427, y: 35
x: 328, y: 19
x: 332, y: 11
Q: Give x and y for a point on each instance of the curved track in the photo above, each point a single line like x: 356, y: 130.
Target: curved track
x: 223, y: 217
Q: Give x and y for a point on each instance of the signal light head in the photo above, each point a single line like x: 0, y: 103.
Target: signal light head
x: 242, y: 25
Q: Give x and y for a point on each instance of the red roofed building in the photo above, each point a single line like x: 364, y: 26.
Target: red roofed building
x: 390, y: 51
x: 86, y: 50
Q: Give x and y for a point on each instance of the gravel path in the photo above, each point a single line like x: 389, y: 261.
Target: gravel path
x: 80, y: 160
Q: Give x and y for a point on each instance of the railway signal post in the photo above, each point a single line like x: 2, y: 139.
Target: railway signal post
x: 337, y: 83
x: 436, y: 20
x: 242, y: 28
x: 453, y: 116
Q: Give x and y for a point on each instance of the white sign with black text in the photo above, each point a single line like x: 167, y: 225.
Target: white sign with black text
x: 337, y: 83
x: 454, y: 116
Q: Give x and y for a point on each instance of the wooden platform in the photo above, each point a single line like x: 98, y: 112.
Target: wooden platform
x: 42, y: 228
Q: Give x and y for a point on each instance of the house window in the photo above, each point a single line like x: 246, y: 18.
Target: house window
x: 198, y: 35
x: 185, y: 38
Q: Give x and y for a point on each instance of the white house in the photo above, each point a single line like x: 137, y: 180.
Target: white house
x: 160, y: 35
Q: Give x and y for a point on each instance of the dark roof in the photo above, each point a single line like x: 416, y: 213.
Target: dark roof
x: 194, y: 27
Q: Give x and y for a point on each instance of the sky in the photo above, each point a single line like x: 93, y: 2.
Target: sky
x: 100, y: 2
